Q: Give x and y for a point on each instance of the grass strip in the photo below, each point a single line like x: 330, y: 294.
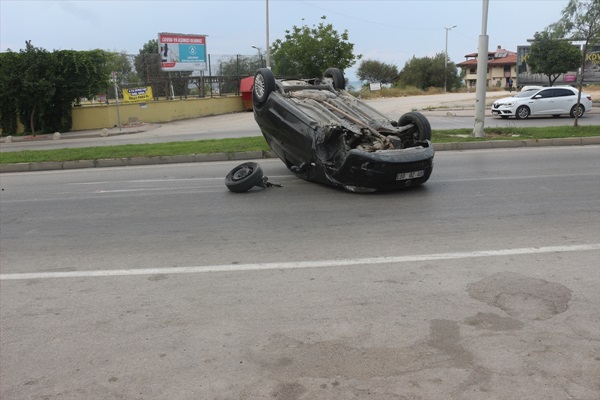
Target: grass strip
x: 514, y: 133
x: 257, y: 143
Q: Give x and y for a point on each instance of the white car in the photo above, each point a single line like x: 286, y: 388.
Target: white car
x: 553, y: 101
x: 526, y: 88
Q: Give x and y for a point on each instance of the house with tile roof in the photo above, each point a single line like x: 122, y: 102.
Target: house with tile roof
x: 502, y: 66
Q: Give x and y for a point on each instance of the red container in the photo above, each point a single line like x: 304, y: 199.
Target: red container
x: 246, y: 91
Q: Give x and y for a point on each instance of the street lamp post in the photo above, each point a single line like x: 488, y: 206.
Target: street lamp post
x: 268, y: 53
x: 446, y: 58
x: 259, y: 55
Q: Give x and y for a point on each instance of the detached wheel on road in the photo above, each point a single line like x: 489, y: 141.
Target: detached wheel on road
x: 244, y: 177
x: 422, y: 128
x: 264, y: 84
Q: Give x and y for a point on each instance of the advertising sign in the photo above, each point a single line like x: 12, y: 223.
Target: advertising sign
x: 137, y: 94
x: 179, y: 52
x: 592, y: 65
x: 591, y: 71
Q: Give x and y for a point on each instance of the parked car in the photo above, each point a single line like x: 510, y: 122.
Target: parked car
x: 324, y: 134
x: 554, y: 101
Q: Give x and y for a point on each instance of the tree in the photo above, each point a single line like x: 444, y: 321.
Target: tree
x: 147, y: 61
x: 427, y: 72
x: 119, y: 63
x: 308, y: 52
x: 148, y: 68
x: 41, y: 87
x: 78, y: 74
x: 581, y: 22
x: 35, y: 85
x: 552, y: 56
x: 376, y: 71
x: 9, y: 87
x: 237, y: 66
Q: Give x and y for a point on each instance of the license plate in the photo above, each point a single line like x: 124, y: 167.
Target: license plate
x: 402, y: 176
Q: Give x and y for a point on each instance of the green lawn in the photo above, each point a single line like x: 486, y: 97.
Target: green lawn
x: 258, y: 144
x: 514, y: 133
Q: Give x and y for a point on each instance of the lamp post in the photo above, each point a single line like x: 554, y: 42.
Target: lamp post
x: 259, y: 55
x: 446, y: 58
x: 268, y: 53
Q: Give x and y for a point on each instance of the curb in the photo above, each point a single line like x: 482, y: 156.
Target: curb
x: 502, y: 144
x: 126, y: 130
x: 252, y: 155
x: 133, y: 161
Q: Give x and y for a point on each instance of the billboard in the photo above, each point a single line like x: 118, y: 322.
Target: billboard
x: 180, y: 52
x: 591, y: 73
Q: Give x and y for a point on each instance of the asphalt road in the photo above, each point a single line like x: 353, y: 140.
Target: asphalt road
x: 156, y: 282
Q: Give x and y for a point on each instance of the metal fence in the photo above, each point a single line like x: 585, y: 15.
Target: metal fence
x: 221, y: 77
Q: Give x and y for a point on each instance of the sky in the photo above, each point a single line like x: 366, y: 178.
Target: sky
x: 389, y: 31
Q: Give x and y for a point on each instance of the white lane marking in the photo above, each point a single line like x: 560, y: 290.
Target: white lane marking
x: 167, y: 180
x: 145, y: 181
x: 512, y: 178
x: 301, y: 264
x: 169, y: 189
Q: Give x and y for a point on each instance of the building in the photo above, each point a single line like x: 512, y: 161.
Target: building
x: 502, y: 66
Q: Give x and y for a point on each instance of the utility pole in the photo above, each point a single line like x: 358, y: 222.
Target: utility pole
x: 268, y: 52
x: 117, y: 100
x: 481, y: 87
x: 446, y: 60
x: 260, y: 59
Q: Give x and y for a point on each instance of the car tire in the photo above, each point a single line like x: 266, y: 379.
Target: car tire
x: 337, y: 77
x: 244, y: 177
x: 577, y: 110
x: 523, y: 112
x: 421, y: 123
x: 264, y: 84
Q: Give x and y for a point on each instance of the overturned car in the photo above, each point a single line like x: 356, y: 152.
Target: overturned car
x: 323, y: 134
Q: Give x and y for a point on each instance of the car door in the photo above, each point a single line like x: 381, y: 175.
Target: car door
x: 543, y: 102
x: 564, y: 99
